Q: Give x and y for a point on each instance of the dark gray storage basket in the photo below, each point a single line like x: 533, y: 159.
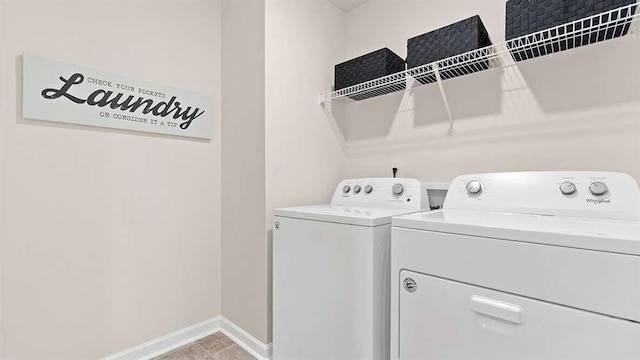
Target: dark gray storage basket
x: 525, y: 17
x: 458, y: 38
x: 368, y: 67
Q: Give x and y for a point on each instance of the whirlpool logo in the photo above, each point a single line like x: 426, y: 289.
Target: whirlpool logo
x: 598, y: 201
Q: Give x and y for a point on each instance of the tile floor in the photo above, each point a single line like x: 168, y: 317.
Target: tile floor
x: 212, y: 347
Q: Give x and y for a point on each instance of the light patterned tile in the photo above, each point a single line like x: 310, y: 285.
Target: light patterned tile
x: 191, y: 351
x: 233, y: 352
x: 214, y: 343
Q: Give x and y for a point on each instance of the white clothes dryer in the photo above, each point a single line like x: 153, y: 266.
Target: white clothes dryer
x: 532, y: 265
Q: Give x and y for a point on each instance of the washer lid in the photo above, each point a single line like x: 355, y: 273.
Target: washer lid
x: 350, y: 215
x: 619, y: 236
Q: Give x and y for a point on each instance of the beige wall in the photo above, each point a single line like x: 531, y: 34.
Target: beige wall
x: 102, y: 246
x: 2, y: 327
x: 579, y: 110
x: 304, y: 161
x: 244, y: 245
x: 278, y: 148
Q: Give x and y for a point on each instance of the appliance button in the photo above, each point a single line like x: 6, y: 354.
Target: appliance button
x: 474, y: 187
x: 410, y: 285
x: 346, y: 189
x: 368, y: 189
x: 567, y: 188
x: 356, y: 189
x: 397, y: 189
x: 598, y: 188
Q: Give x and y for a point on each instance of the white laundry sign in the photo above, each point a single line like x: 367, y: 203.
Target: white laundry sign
x: 62, y: 92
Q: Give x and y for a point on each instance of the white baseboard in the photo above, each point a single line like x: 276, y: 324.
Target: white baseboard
x: 192, y: 333
x: 253, y: 346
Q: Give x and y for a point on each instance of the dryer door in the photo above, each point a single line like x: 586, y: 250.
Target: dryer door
x: 443, y: 319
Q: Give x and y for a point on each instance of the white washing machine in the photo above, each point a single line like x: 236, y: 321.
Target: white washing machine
x: 539, y: 265
x: 331, y: 270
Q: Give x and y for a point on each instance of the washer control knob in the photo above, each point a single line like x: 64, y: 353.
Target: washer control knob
x: 598, y: 188
x: 397, y: 189
x: 368, y: 189
x: 346, y: 189
x: 567, y: 188
x: 474, y: 187
x: 356, y: 189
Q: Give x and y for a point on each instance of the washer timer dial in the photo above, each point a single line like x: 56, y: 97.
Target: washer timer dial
x: 398, y: 189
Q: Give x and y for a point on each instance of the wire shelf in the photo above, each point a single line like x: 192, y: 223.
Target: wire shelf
x: 597, y: 28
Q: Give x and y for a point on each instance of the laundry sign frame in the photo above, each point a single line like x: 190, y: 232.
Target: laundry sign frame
x: 61, y: 92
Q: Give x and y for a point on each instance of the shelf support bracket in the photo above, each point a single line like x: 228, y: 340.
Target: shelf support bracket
x: 436, y: 71
x: 328, y: 111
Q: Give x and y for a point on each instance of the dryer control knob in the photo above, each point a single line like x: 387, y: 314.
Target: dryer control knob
x: 474, y: 187
x: 368, y: 189
x: 567, y: 188
x: 398, y: 189
x: 356, y: 189
x: 598, y: 188
x: 346, y: 189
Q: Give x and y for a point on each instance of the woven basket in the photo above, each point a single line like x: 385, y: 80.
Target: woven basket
x: 529, y: 16
x: 366, y: 68
x: 458, y: 38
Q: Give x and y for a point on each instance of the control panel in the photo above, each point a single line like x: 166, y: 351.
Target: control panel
x: 392, y: 193
x: 605, y: 195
